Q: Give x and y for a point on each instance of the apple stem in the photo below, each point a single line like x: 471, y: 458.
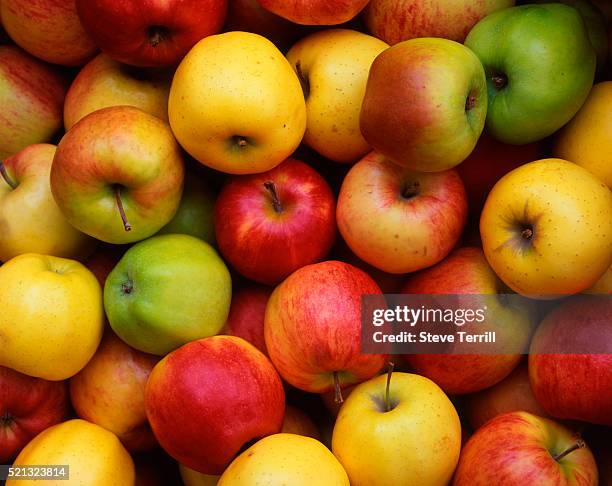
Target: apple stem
x: 157, y: 35
x: 337, y: 390
x: 126, y: 225
x: 271, y: 187
x: 578, y: 445
x: 527, y: 233
x: 6, y: 177
x: 390, y: 367
x: 499, y: 81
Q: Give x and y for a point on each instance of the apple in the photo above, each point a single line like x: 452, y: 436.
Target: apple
x: 30, y: 220
x: 315, y: 12
x: 150, y: 33
x: 236, y: 105
x: 51, y: 316
x: 398, y: 20
x: 546, y: 229
x: 195, y: 214
x: 94, y: 456
x: 333, y: 67
x: 269, y: 225
x: 48, y: 29
x: 518, y: 445
x: 209, y: 398
x: 425, y: 104
x: 570, y: 360
x: 466, y: 367
x: 313, y: 328
x: 194, y: 478
x: 298, y: 422
x: 488, y: 163
x: 33, y: 93
x: 166, y: 291
x: 512, y: 394
x: 399, y: 220
x: 603, y: 285
x: 247, y: 313
x: 398, y: 429
x: 104, y: 82
x: 109, y: 392
x: 586, y: 140
x: 103, y: 260
x: 27, y: 407
x: 117, y: 175
x: 539, y: 65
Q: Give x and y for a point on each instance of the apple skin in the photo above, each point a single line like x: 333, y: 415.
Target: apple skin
x: 545, y: 53
x: 109, y: 392
x: 566, y: 381
x: 333, y: 66
x: 48, y: 29
x: 546, y: 229
x: 425, y: 104
x: 313, y: 327
x: 603, y: 285
x: 265, y: 242
x: 103, y: 260
x: 118, y: 147
x: 210, y: 397
x: 167, y: 291
x: 32, y: 98
x: 149, y: 33
x: 298, y: 422
x: 512, y: 394
x: 416, y: 443
x: 315, y: 12
x: 517, y: 447
x: 27, y: 407
x: 398, y: 20
x: 236, y: 105
x: 247, y: 313
x: 466, y: 271
x: 104, y: 82
x: 399, y: 220
x: 30, y: 220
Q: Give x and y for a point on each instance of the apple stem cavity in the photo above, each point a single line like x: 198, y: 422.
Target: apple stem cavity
x: 303, y: 79
x: 527, y: 233
x: 6, y: 419
x: 126, y: 225
x: 157, y: 34
x: 578, y: 445
x: 276, y: 203
x: 337, y: 389
x: 388, y: 405
x: 470, y: 101
x: 6, y: 177
x: 499, y: 81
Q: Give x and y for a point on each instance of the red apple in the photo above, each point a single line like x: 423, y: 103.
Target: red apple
x: 512, y: 394
x: 209, y: 398
x: 32, y: 99
x: 397, y: 20
x: 102, y: 262
x: 488, y: 163
x: 570, y: 360
x: 315, y: 12
x: 399, y: 220
x: 270, y: 224
x: 27, y: 406
x: 48, y: 29
x: 109, y: 392
x: 467, y: 274
x: 149, y: 32
x: 298, y: 422
x: 246, y: 315
x: 313, y: 328
x: 518, y: 448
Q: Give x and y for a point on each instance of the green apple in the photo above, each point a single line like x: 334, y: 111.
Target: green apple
x: 195, y: 214
x: 540, y: 66
x: 167, y: 291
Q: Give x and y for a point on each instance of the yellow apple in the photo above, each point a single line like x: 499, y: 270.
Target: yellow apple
x: 195, y: 478
x: 546, y: 228
x: 94, y: 455
x: 51, y: 316
x: 285, y: 459
x: 410, y: 436
x: 236, y: 105
x: 333, y: 67
x: 30, y: 221
x: 105, y: 82
x: 586, y: 140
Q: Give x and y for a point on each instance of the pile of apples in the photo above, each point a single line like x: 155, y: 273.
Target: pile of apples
x: 196, y: 194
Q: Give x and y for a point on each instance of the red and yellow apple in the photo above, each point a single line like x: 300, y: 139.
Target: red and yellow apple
x: 315, y: 12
